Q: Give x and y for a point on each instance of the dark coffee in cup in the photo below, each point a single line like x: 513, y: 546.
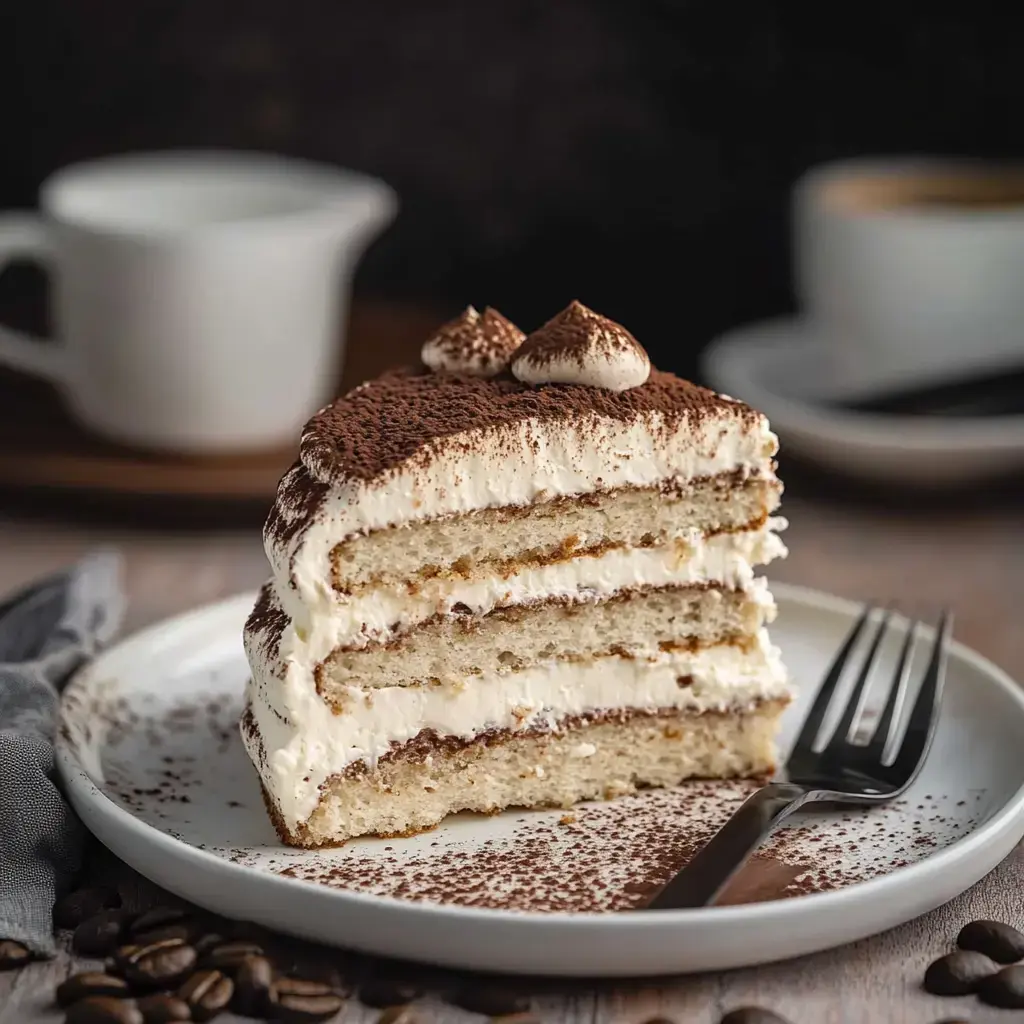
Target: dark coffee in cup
x: 912, y: 266
x: 948, y: 191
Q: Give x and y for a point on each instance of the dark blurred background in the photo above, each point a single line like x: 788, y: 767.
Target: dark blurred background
x: 637, y: 156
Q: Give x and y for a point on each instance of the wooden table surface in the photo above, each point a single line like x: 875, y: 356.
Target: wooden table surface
x: 973, y: 560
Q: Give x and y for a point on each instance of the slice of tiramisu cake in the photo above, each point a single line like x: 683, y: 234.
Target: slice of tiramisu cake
x: 520, y: 574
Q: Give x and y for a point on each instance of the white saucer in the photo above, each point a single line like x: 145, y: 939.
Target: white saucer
x: 780, y: 366
x: 150, y: 754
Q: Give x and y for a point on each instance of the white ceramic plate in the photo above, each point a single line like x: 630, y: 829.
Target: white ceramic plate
x: 153, y: 764
x: 784, y: 369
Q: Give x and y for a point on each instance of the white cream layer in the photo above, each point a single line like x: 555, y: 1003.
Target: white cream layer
x: 305, y: 742
x: 292, y: 716
x: 378, y: 613
x: 474, y: 470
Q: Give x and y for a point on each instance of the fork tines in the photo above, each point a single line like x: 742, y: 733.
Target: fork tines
x: 921, y: 719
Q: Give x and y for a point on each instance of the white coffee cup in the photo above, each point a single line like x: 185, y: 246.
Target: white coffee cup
x: 913, y: 268
x: 199, y: 297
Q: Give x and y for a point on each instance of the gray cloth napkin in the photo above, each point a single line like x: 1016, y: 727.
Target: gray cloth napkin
x: 46, y: 633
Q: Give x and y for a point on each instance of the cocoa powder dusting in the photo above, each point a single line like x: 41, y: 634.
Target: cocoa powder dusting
x: 179, y: 766
x: 647, y: 837
x: 299, y: 496
x: 407, y: 417
x: 476, y: 344
x: 267, y: 620
x: 574, y: 333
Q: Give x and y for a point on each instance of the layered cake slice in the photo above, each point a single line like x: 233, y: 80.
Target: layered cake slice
x: 520, y: 574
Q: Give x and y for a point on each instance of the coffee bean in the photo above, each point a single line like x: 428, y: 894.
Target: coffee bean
x: 294, y: 1000
x: 382, y: 991
x: 491, y: 1000
x: 298, y: 1009
x: 1005, y: 989
x: 159, y: 965
x: 229, y: 956
x: 529, y: 1018
x: 13, y: 954
x: 287, y: 986
x: 168, y: 931
x: 207, y: 993
x: 104, y: 1010
x: 100, y: 934
x: 310, y: 968
x: 253, y: 980
x: 157, y: 917
x: 957, y: 974
x: 1000, y: 942
x: 752, y: 1015
x: 204, y: 943
x: 163, y: 1009
x: 398, y: 1015
x: 91, y: 983
x: 76, y: 906
x: 121, y: 955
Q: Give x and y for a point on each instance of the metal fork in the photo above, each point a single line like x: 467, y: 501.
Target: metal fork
x: 841, y: 772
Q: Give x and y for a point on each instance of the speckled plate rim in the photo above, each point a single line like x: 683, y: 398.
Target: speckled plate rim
x: 578, y: 944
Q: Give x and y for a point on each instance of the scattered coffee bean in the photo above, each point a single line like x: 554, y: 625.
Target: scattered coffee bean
x: 382, y: 991
x: 168, y: 931
x: 398, y: 1015
x: 294, y: 1000
x: 204, y: 943
x: 90, y: 983
x: 752, y: 1015
x: 121, y: 955
x: 252, y: 986
x: 1005, y: 989
x: 77, y: 906
x: 1000, y: 942
x: 160, y: 964
x: 298, y: 1009
x: 490, y: 1000
x: 157, y: 917
x: 163, y: 1009
x: 13, y: 954
x: 104, y: 1010
x: 207, y: 994
x: 529, y: 1018
x: 100, y: 934
x: 957, y: 974
x: 229, y: 956
x: 288, y: 986
x: 312, y: 970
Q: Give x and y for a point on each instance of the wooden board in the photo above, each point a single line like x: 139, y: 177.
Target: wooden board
x: 41, y: 447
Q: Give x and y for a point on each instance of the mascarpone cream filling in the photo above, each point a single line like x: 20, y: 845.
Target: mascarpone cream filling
x: 473, y: 471
x: 378, y: 613
x: 305, y: 742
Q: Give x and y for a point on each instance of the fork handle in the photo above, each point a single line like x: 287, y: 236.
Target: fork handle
x: 700, y: 881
